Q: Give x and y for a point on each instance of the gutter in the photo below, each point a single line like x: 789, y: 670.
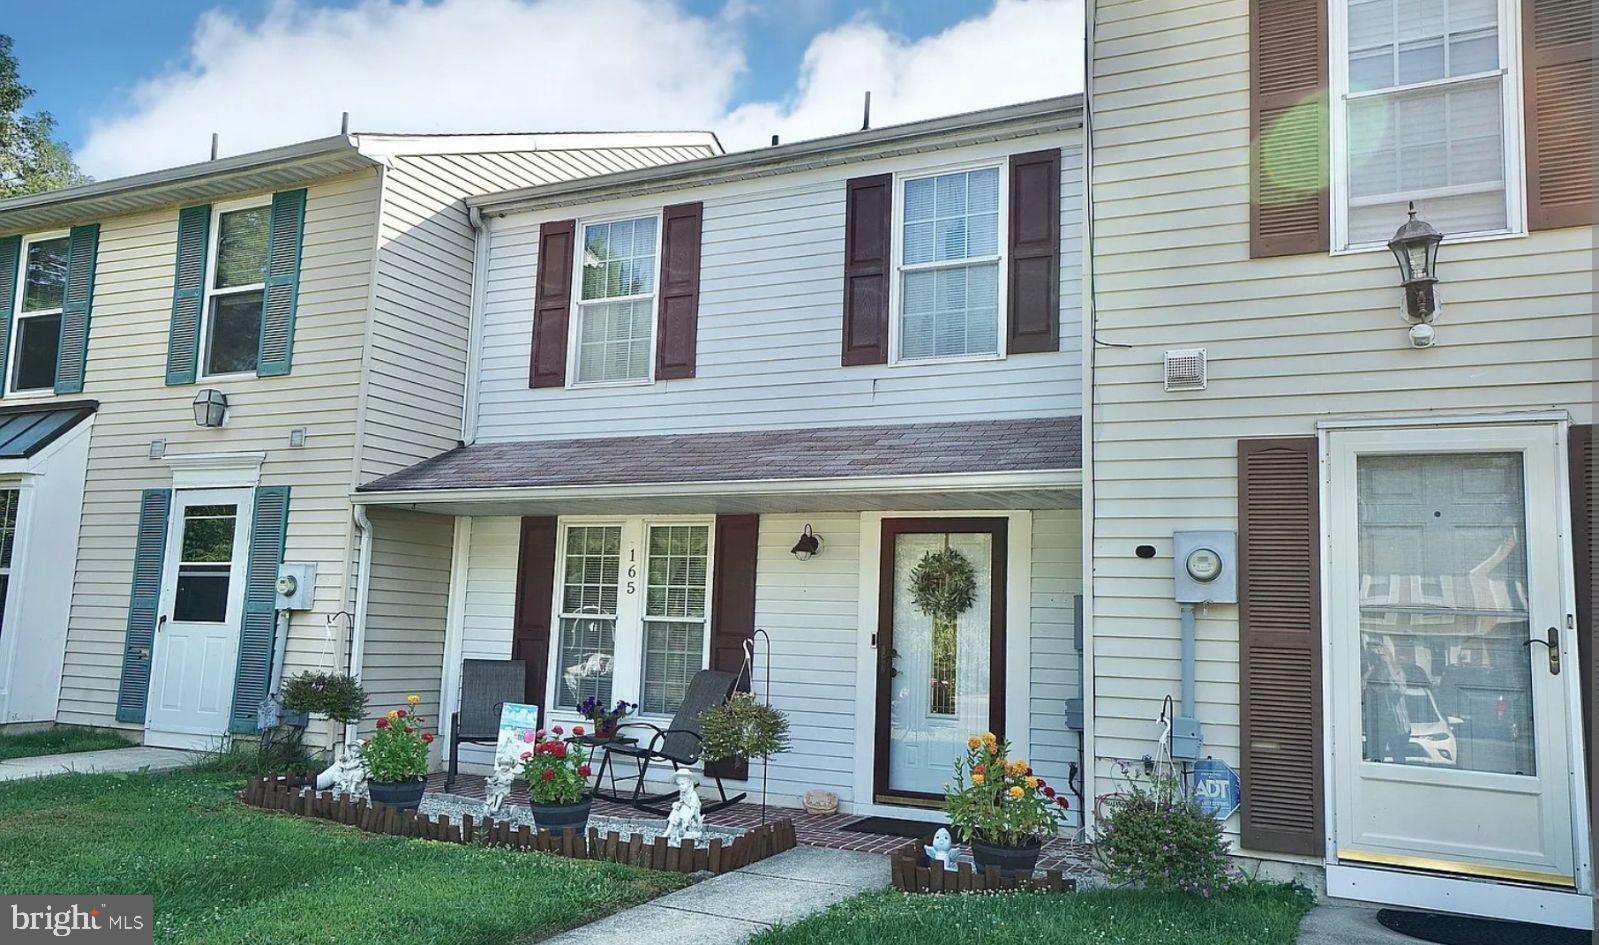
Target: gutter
x: 363, y: 583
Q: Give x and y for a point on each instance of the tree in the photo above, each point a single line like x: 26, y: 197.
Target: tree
x: 31, y: 159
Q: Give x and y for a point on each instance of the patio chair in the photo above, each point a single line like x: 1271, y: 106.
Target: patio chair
x: 678, y: 744
x: 486, y: 686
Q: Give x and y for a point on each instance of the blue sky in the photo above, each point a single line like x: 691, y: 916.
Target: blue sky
x: 140, y: 85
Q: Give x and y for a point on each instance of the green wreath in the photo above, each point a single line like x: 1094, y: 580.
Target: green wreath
x: 943, y: 585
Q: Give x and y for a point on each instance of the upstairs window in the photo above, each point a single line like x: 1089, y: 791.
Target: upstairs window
x: 36, y: 332
x: 616, y: 302
x: 950, y: 264
x: 231, y: 334
x: 1429, y: 115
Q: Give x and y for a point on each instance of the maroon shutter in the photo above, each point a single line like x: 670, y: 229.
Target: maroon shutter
x: 1558, y: 44
x: 1584, y: 544
x: 868, y: 203
x: 1032, y: 306
x: 733, y: 607
x: 1288, y: 158
x: 552, y: 304
x: 1279, y: 644
x: 535, y: 601
x: 678, y: 321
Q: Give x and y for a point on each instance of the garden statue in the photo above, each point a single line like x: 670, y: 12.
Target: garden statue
x: 943, y: 849
x: 347, y: 774
x: 685, y: 823
x: 498, y: 785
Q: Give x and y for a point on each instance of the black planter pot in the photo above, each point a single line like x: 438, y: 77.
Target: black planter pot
x: 405, y: 795
x: 558, y: 817
x: 1010, y: 860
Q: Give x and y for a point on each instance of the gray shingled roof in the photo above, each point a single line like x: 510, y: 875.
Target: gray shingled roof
x: 1052, y: 443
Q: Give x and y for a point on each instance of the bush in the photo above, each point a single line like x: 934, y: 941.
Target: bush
x: 1155, y: 836
x: 398, y: 750
x: 335, y: 695
x: 278, y: 751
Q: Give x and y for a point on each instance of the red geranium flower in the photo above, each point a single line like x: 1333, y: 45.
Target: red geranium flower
x: 583, y: 770
x: 577, y: 730
x: 558, y: 749
x: 548, y: 775
x: 526, y: 755
x: 1065, y: 805
x: 558, y: 730
x: 427, y: 737
x: 1049, y: 792
x: 400, y: 713
x: 383, y: 723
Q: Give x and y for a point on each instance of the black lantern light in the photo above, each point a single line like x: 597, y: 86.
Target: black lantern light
x: 1415, y: 245
x: 809, y: 544
x: 210, y: 407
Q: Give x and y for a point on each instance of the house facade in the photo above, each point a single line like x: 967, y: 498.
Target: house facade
x: 680, y: 372
x: 200, y: 364
x: 1397, y: 656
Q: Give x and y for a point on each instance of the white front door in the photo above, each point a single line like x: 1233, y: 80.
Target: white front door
x: 202, y: 605
x: 1453, y: 662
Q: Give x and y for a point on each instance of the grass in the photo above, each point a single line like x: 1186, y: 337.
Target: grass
x: 221, y: 872
x: 61, y: 740
x: 1259, y: 914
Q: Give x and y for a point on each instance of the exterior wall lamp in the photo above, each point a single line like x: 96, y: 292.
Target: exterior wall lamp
x: 1415, y: 245
x: 210, y: 408
x: 809, y: 544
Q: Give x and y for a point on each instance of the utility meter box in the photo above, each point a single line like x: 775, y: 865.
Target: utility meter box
x: 1205, y: 566
x: 296, y: 582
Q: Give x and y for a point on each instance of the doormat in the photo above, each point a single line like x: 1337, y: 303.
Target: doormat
x: 1467, y: 930
x: 895, y: 827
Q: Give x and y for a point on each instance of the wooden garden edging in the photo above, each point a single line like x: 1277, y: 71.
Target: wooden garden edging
x: 913, y: 873
x: 289, y: 795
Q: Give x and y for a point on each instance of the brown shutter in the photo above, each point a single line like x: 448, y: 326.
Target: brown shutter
x: 1279, y: 644
x: 1288, y: 127
x: 552, y: 304
x: 868, y: 205
x: 1584, y: 544
x: 1557, y: 41
x: 1032, y: 296
x: 535, y: 601
x: 733, y: 607
x: 678, y: 321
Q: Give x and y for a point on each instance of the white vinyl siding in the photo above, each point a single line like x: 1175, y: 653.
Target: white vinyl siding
x: 407, y: 598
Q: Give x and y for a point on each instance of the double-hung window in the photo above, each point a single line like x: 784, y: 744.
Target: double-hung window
x: 36, y: 331
x: 1429, y: 113
x: 950, y: 265
x: 231, y: 332
x: 615, y: 330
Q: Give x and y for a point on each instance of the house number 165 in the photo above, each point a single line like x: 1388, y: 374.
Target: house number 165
x: 632, y: 571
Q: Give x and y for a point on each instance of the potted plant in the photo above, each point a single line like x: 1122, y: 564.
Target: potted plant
x: 396, y: 758
x: 1000, y: 807
x: 557, y: 776
x: 335, y: 695
x: 605, y: 721
x: 741, y: 729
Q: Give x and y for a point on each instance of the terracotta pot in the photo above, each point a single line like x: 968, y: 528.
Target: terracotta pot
x: 558, y: 817
x: 1010, y: 860
x: 405, y: 795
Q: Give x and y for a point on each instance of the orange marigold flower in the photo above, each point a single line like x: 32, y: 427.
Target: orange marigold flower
x: 1032, y: 783
x: 977, y: 779
x: 1016, y: 793
x: 414, y: 700
x: 973, y: 742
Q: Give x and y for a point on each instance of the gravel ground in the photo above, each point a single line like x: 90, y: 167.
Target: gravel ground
x: 453, y: 806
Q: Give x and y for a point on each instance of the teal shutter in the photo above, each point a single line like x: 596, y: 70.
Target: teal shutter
x: 282, y: 283
x: 269, y: 527
x: 83, y: 244
x: 188, y: 294
x: 10, y: 259
x: 144, y: 603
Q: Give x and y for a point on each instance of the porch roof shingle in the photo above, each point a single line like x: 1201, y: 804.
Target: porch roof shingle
x: 1030, y: 445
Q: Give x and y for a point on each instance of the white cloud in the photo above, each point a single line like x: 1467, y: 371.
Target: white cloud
x: 547, y: 65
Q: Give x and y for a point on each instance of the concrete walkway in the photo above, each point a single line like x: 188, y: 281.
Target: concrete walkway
x: 1343, y: 923
x: 97, y: 762
x: 728, y: 909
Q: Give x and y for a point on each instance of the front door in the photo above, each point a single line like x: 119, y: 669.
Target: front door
x: 1451, y: 653
x: 202, y: 604
x: 940, y: 675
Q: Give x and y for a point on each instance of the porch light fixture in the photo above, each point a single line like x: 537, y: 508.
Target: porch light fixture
x: 210, y: 407
x: 809, y: 544
x: 1415, y: 245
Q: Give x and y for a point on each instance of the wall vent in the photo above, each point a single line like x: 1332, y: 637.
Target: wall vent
x: 1185, y: 369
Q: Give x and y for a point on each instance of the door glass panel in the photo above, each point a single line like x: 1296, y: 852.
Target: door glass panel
x: 1445, y: 673
x: 205, y: 564
x: 593, y: 560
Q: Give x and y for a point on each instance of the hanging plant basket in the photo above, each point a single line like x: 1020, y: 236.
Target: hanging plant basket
x: 943, y: 585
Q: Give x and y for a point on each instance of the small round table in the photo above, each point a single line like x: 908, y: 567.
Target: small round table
x: 595, y: 743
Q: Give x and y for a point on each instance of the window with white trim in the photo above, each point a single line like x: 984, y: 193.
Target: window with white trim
x: 1430, y: 115
x: 9, y: 500
x: 36, y: 330
x: 231, y: 334
x: 616, y: 300
x: 950, y: 264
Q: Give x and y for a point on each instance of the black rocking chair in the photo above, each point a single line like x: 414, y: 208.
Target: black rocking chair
x: 677, y: 745
x: 486, y: 686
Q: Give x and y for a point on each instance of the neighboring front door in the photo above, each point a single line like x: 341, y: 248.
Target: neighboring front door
x: 1452, y: 671
x: 940, y: 679
x: 197, y: 632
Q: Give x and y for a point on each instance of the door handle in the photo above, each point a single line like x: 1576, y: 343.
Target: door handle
x: 160, y: 622
x: 1553, y: 646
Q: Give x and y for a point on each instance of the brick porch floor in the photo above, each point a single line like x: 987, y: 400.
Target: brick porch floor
x: 1071, y: 858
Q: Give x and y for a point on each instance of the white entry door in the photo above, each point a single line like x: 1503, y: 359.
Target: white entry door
x: 202, y: 606
x: 1453, y: 661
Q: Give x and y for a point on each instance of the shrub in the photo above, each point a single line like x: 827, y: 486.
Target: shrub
x: 556, y: 772
x: 1156, y: 836
x: 741, y: 729
x: 398, y: 750
x: 997, y: 800
x: 335, y: 695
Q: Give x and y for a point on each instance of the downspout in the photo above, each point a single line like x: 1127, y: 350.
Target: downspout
x: 474, y: 337
x: 363, y: 584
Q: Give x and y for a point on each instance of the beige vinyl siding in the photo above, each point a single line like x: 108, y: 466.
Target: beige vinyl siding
x: 407, y: 601
x: 1291, y: 340
x: 126, y: 373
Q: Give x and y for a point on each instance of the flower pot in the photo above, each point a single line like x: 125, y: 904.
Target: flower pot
x: 1010, y: 860
x: 405, y: 795
x: 605, y: 731
x: 558, y: 817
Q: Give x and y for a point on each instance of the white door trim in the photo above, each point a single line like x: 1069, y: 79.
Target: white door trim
x: 1488, y: 898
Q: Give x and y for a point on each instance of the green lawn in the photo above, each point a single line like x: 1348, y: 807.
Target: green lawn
x: 225, y: 873
x: 59, y: 741
x: 1259, y: 915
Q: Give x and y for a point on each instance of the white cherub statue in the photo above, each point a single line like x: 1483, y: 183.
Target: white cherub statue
x: 686, y: 822
x: 348, y: 773
x: 497, y: 787
x: 943, y: 849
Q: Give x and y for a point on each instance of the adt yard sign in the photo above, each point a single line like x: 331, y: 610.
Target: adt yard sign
x: 1216, y: 788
